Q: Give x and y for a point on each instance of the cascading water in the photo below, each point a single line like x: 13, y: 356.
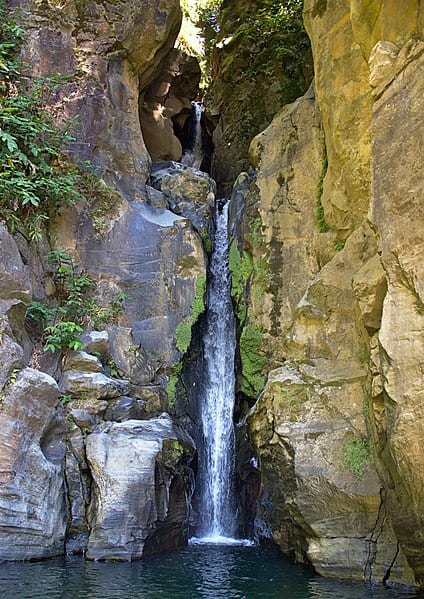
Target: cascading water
x: 216, y: 456
x: 194, y: 156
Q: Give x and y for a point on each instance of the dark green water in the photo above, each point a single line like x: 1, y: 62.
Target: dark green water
x: 198, y: 572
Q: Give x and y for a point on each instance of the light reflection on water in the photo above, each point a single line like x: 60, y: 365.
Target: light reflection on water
x: 198, y: 572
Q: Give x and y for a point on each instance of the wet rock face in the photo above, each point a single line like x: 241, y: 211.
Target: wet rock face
x: 32, y: 493
x: 137, y: 498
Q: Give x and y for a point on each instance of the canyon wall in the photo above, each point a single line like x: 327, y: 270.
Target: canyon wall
x: 328, y: 286
x: 90, y: 457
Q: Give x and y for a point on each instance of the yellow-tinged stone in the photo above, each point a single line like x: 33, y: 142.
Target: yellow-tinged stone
x: 389, y: 20
x: 345, y: 102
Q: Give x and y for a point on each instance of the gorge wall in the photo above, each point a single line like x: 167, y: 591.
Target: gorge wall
x: 328, y: 288
x: 327, y: 233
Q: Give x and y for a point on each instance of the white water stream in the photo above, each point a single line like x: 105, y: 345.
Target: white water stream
x: 194, y: 156
x: 217, y: 451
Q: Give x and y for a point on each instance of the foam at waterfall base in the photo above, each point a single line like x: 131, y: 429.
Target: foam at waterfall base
x: 220, y: 540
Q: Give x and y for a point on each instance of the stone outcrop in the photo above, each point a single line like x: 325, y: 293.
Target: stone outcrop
x: 106, y: 54
x: 142, y: 488
x: 189, y: 192
x: 328, y: 300
x: 32, y: 494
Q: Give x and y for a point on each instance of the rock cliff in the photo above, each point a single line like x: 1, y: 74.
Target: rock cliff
x: 327, y: 283
x: 97, y: 426
x: 327, y: 235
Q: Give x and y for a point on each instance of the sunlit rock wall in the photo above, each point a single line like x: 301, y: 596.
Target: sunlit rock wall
x: 331, y: 269
x: 104, y: 53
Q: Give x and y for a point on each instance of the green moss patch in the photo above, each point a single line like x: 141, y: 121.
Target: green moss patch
x: 252, y: 360
x: 171, y: 388
x: 183, y: 332
x: 241, y: 267
x: 357, y: 455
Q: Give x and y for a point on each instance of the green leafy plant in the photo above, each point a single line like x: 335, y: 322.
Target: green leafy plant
x: 113, y: 368
x: 65, y: 399
x: 63, y: 335
x: 35, y: 178
x: 357, y: 455
x: 76, y: 308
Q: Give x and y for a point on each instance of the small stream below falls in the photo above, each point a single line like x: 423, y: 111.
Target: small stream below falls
x: 198, y: 572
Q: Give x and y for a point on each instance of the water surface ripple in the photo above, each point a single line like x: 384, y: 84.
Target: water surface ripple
x: 198, y: 572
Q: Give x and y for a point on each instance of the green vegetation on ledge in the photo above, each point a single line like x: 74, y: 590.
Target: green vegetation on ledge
x: 357, y: 455
x: 61, y: 325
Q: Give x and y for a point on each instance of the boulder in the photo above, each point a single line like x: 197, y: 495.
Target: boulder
x: 190, y: 193
x: 125, y: 408
x: 81, y: 360
x: 96, y: 342
x: 321, y: 495
x: 91, y: 385
x: 140, y: 472
x: 32, y: 494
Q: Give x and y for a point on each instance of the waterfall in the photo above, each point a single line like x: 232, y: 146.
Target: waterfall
x: 216, y: 456
x: 194, y: 156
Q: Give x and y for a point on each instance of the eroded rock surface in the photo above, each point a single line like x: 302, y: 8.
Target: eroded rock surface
x: 141, y: 495
x: 32, y: 493
x: 397, y: 213
x: 338, y: 319
x: 169, y: 97
x: 153, y: 256
x: 107, y: 52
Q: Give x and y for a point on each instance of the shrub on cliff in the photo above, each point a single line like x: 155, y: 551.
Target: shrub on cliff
x: 35, y: 178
